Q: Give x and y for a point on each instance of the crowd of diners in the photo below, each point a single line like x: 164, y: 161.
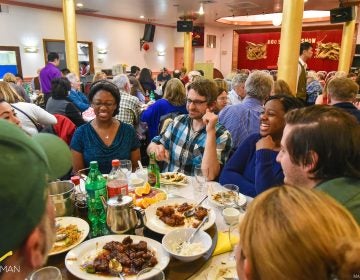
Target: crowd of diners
x: 296, y: 153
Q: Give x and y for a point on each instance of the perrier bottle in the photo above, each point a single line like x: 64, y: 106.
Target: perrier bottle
x: 153, y: 172
x: 95, y: 186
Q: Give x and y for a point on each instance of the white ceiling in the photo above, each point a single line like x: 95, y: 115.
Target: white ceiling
x: 167, y: 12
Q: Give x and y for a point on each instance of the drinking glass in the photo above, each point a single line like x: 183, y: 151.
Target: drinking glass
x: 234, y: 237
x: 201, y: 176
x: 142, y: 173
x: 46, y: 273
x: 230, y: 195
x: 126, y: 167
x: 146, y: 272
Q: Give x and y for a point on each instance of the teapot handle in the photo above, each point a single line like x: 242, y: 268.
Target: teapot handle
x: 140, y: 213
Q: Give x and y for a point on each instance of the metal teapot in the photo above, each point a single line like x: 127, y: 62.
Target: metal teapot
x: 121, y: 215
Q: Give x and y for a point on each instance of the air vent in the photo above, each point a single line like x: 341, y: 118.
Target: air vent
x: 87, y: 10
x: 4, y: 9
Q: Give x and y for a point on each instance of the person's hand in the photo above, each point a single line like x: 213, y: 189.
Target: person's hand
x: 210, y: 119
x: 161, y: 153
x: 265, y: 143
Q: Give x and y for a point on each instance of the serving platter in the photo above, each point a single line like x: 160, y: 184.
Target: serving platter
x: 154, y: 223
x: 88, y: 250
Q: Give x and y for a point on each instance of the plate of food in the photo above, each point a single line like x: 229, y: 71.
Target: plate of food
x: 70, y: 232
x: 219, y: 197
x: 145, y: 196
x: 129, y: 254
x: 167, y: 215
x: 223, y: 271
x: 173, y: 178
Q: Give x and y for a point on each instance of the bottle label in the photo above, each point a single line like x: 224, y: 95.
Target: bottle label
x: 152, y: 178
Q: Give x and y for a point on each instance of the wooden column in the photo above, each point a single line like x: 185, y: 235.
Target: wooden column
x: 70, y: 36
x: 347, y: 43
x: 188, y: 51
x: 290, y: 41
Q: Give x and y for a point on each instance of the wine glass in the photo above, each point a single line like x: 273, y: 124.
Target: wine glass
x: 126, y: 167
x: 230, y: 195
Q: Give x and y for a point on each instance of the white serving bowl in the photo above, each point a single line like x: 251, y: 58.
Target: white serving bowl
x: 231, y: 215
x: 174, y: 237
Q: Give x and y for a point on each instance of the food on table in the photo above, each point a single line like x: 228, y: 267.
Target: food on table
x: 146, y: 196
x: 173, y: 177
x: 66, y: 236
x: 224, y: 196
x: 125, y: 257
x: 187, y: 249
x: 173, y: 215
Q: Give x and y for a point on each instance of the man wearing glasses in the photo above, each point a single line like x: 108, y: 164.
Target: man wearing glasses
x: 196, y: 138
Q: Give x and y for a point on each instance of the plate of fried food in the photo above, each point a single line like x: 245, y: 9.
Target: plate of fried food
x: 173, y: 178
x: 70, y: 232
x: 167, y: 215
x: 146, y: 195
x: 107, y: 256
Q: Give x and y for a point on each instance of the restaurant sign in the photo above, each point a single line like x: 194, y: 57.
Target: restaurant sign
x: 261, y: 50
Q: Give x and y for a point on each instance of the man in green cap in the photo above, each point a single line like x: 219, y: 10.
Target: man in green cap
x: 27, y: 225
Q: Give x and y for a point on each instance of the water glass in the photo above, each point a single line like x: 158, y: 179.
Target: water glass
x: 201, y: 174
x: 142, y: 173
x: 234, y: 238
x: 46, y: 273
x: 126, y: 167
x: 230, y: 195
x: 146, y: 272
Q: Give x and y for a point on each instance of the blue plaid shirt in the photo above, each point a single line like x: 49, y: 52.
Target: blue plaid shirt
x: 186, y: 147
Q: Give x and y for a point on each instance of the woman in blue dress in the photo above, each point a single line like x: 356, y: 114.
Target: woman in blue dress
x: 104, y: 138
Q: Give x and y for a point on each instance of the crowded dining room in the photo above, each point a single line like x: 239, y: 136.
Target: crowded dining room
x: 179, y: 139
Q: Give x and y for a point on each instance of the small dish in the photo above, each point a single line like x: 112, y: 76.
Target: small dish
x: 231, y: 215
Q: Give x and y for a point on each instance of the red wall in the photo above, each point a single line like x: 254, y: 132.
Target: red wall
x: 272, y: 39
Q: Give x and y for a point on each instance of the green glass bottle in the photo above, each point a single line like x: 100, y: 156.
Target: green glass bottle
x: 153, y: 172
x: 152, y: 95
x: 95, y: 186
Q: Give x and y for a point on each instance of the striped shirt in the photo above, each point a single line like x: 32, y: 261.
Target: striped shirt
x: 242, y: 119
x: 186, y: 146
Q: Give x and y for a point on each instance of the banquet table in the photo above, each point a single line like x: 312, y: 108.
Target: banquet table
x: 177, y: 270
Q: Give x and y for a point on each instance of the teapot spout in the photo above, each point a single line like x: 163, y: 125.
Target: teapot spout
x: 104, y: 203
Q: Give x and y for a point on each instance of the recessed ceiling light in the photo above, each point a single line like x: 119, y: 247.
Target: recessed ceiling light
x: 142, y: 17
x: 79, y: 5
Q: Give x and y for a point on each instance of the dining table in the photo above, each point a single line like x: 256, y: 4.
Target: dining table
x: 201, y: 269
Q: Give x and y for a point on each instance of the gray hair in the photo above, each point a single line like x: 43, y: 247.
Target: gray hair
x: 238, y: 79
x: 71, y: 77
x: 121, y: 81
x: 259, y: 85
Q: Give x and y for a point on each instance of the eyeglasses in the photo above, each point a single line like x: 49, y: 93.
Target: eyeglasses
x: 106, y: 104
x: 195, y: 102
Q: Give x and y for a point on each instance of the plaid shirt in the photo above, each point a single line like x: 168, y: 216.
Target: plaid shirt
x: 186, y: 147
x: 130, y: 108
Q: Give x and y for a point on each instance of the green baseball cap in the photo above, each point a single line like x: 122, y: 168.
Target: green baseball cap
x: 26, y: 165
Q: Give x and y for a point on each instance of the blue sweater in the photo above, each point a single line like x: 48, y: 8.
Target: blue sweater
x: 253, y: 171
x: 79, y: 99
x: 155, y: 111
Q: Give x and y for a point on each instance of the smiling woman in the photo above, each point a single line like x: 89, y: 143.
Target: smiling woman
x: 104, y: 138
x: 253, y: 166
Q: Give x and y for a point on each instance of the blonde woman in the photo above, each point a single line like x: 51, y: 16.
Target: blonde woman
x: 99, y: 76
x: 173, y: 102
x: 295, y: 233
x: 11, y: 79
x: 31, y: 116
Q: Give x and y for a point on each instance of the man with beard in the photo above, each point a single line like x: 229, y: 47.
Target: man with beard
x: 196, y: 138
x: 27, y: 214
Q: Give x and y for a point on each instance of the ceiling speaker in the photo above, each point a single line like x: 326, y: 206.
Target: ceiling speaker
x: 343, y: 14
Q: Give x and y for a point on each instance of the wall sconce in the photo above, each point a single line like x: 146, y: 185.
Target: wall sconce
x: 161, y: 53
x: 102, y: 51
x: 31, y: 49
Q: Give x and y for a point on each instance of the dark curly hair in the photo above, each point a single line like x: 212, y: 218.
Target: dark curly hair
x: 106, y: 86
x: 288, y: 102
